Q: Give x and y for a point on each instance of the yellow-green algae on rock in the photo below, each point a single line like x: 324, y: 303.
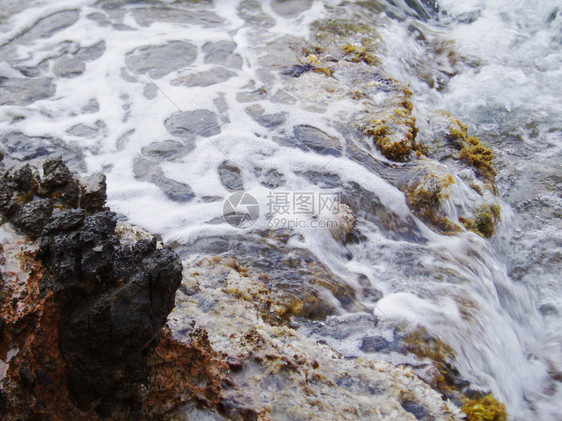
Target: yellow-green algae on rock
x: 473, y: 151
x: 394, y: 132
x: 425, y: 192
x: 391, y: 126
x: 485, y: 220
x: 487, y: 408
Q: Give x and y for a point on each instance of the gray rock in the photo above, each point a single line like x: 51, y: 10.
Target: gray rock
x: 251, y: 12
x: 92, y: 52
x: 221, y: 103
x: 33, y: 216
x: 230, y: 176
x: 418, y: 410
x: 55, y: 175
x: 251, y: 96
x: 100, y: 19
x: 269, y: 121
x: 283, y: 97
x: 24, y: 91
x: 548, y: 310
x: 124, y: 139
x: 48, y: 25
x: 147, y: 16
x: 206, y: 78
x: 325, y: 180
x: 159, y: 60
x: 290, y: 8
x: 222, y: 52
x: 272, y: 179
x: 377, y: 344
x: 91, y: 107
x: 146, y: 170
x: 150, y: 91
x: 26, y: 148
x: 24, y: 179
x: 317, y: 140
x: 189, y: 123
x: 82, y: 130
x: 168, y: 150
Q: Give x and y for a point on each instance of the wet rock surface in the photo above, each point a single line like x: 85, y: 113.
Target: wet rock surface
x: 230, y: 176
x: 406, y: 192
x: 303, y: 285
x: 91, y: 52
x: 49, y: 25
x: 25, y: 91
x: 159, y: 60
x: 146, y: 170
x: 189, y: 123
x: 168, y: 150
x: 69, y: 67
x: 290, y: 8
x: 206, y: 78
x: 267, y: 120
x: 316, y: 140
x: 222, y: 52
x: 101, y: 305
x: 22, y: 148
x: 194, y: 14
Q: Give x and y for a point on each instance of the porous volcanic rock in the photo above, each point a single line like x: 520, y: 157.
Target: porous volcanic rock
x: 80, y: 313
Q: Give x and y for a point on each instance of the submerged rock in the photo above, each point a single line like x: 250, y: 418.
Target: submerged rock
x: 34, y: 149
x: 205, y: 78
x: 290, y: 8
x: 189, y: 123
x: 270, y: 121
x: 222, y: 52
x: 24, y: 91
x: 146, y: 170
x: 92, y: 52
x: 168, y: 150
x: 300, y: 282
x: 159, y: 60
x: 69, y: 67
x: 230, y: 176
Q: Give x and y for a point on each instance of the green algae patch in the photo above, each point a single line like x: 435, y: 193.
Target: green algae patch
x: 424, y: 196
x: 357, y: 54
x: 485, y: 220
x: 487, y: 408
x: 395, y: 132
x: 473, y: 151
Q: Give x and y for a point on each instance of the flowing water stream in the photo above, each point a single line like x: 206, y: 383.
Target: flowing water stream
x: 182, y: 103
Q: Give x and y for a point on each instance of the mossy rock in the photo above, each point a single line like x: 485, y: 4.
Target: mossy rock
x: 394, y: 133
x: 487, y: 408
x: 485, y: 220
x: 424, y: 196
x: 473, y: 151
